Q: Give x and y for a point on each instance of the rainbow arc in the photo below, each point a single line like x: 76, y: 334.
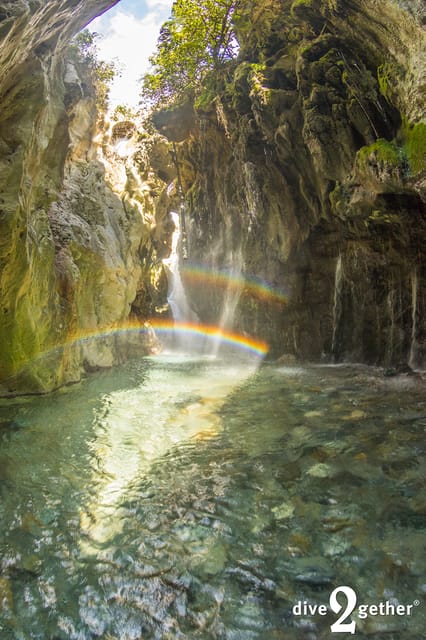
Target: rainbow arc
x: 231, y: 338
x: 198, y: 275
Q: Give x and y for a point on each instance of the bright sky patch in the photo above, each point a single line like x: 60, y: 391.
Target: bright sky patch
x: 129, y: 36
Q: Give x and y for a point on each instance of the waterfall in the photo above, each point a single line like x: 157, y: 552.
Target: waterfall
x: 231, y: 298
x: 190, y: 336
x: 252, y: 193
x: 176, y: 296
x: 337, y: 307
x: 412, y: 361
x: 391, y: 311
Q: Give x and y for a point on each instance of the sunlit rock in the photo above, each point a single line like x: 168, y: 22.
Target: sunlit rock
x: 72, y: 238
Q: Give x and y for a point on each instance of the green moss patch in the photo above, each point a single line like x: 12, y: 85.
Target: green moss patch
x: 414, y: 146
x: 300, y: 5
x: 383, y: 150
x: 408, y: 152
x: 388, y: 76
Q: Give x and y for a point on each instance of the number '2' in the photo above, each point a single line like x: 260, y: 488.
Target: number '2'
x: 339, y: 626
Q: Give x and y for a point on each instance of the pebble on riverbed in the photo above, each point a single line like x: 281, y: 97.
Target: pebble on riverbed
x: 320, y: 470
x: 314, y: 571
x: 212, y: 560
x: 284, y: 510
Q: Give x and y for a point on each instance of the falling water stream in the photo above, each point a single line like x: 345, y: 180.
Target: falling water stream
x: 414, y: 326
x: 176, y: 296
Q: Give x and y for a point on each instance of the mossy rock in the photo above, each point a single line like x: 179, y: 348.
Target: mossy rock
x: 388, y: 78
x: 239, y: 82
x: 414, y: 146
x: 175, y: 122
x: 304, y: 8
x: 318, y: 48
x: 246, y: 82
x: 339, y: 200
x: 382, y: 150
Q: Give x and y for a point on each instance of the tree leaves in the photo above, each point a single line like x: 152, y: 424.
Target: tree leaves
x: 84, y: 51
x: 198, y: 38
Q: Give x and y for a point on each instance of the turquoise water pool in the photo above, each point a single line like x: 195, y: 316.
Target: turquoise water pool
x: 179, y: 497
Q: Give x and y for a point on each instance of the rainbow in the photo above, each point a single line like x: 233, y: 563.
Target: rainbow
x: 231, y: 338
x: 158, y: 327
x: 248, y: 285
x: 152, y: 329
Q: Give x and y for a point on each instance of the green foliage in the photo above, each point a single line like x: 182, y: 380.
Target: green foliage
x: 414, y: 146
x: 383, y: 79
x: 305, y: 10
x: 123, y: 112
x: 256, y: 78
x: 382, y: 216
x: 408, y: 151
x: 388, y: 76
x: 204, y: 99
x: 199, y: 38
x: 383, y: 150
x: 83, y: 47
x: 83, y: 50
x: 257, y: 24
x: 300, y: 4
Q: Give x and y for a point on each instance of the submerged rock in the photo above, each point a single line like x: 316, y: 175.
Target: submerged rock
x: 321, y: 470
x: 313, y: 571
x: 6, y: 596
x: 283, y: 511
x: 215, y: 560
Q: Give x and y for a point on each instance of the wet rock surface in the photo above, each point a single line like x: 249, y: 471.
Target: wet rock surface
x: 307, y: 171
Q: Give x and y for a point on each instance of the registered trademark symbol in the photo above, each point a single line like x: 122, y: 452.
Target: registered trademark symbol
x: 416, y: 603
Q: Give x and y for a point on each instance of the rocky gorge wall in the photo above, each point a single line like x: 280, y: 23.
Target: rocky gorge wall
x: 305, y: 169
x: 78, y: 233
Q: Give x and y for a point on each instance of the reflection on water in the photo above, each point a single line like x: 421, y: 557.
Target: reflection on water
x: 191, y: 498
x: 138, y: 425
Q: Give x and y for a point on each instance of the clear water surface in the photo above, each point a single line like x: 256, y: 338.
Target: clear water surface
x: 194, y: 498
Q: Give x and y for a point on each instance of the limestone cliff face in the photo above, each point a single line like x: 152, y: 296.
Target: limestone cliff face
x: 307, y: 171
x: 75, y: 243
